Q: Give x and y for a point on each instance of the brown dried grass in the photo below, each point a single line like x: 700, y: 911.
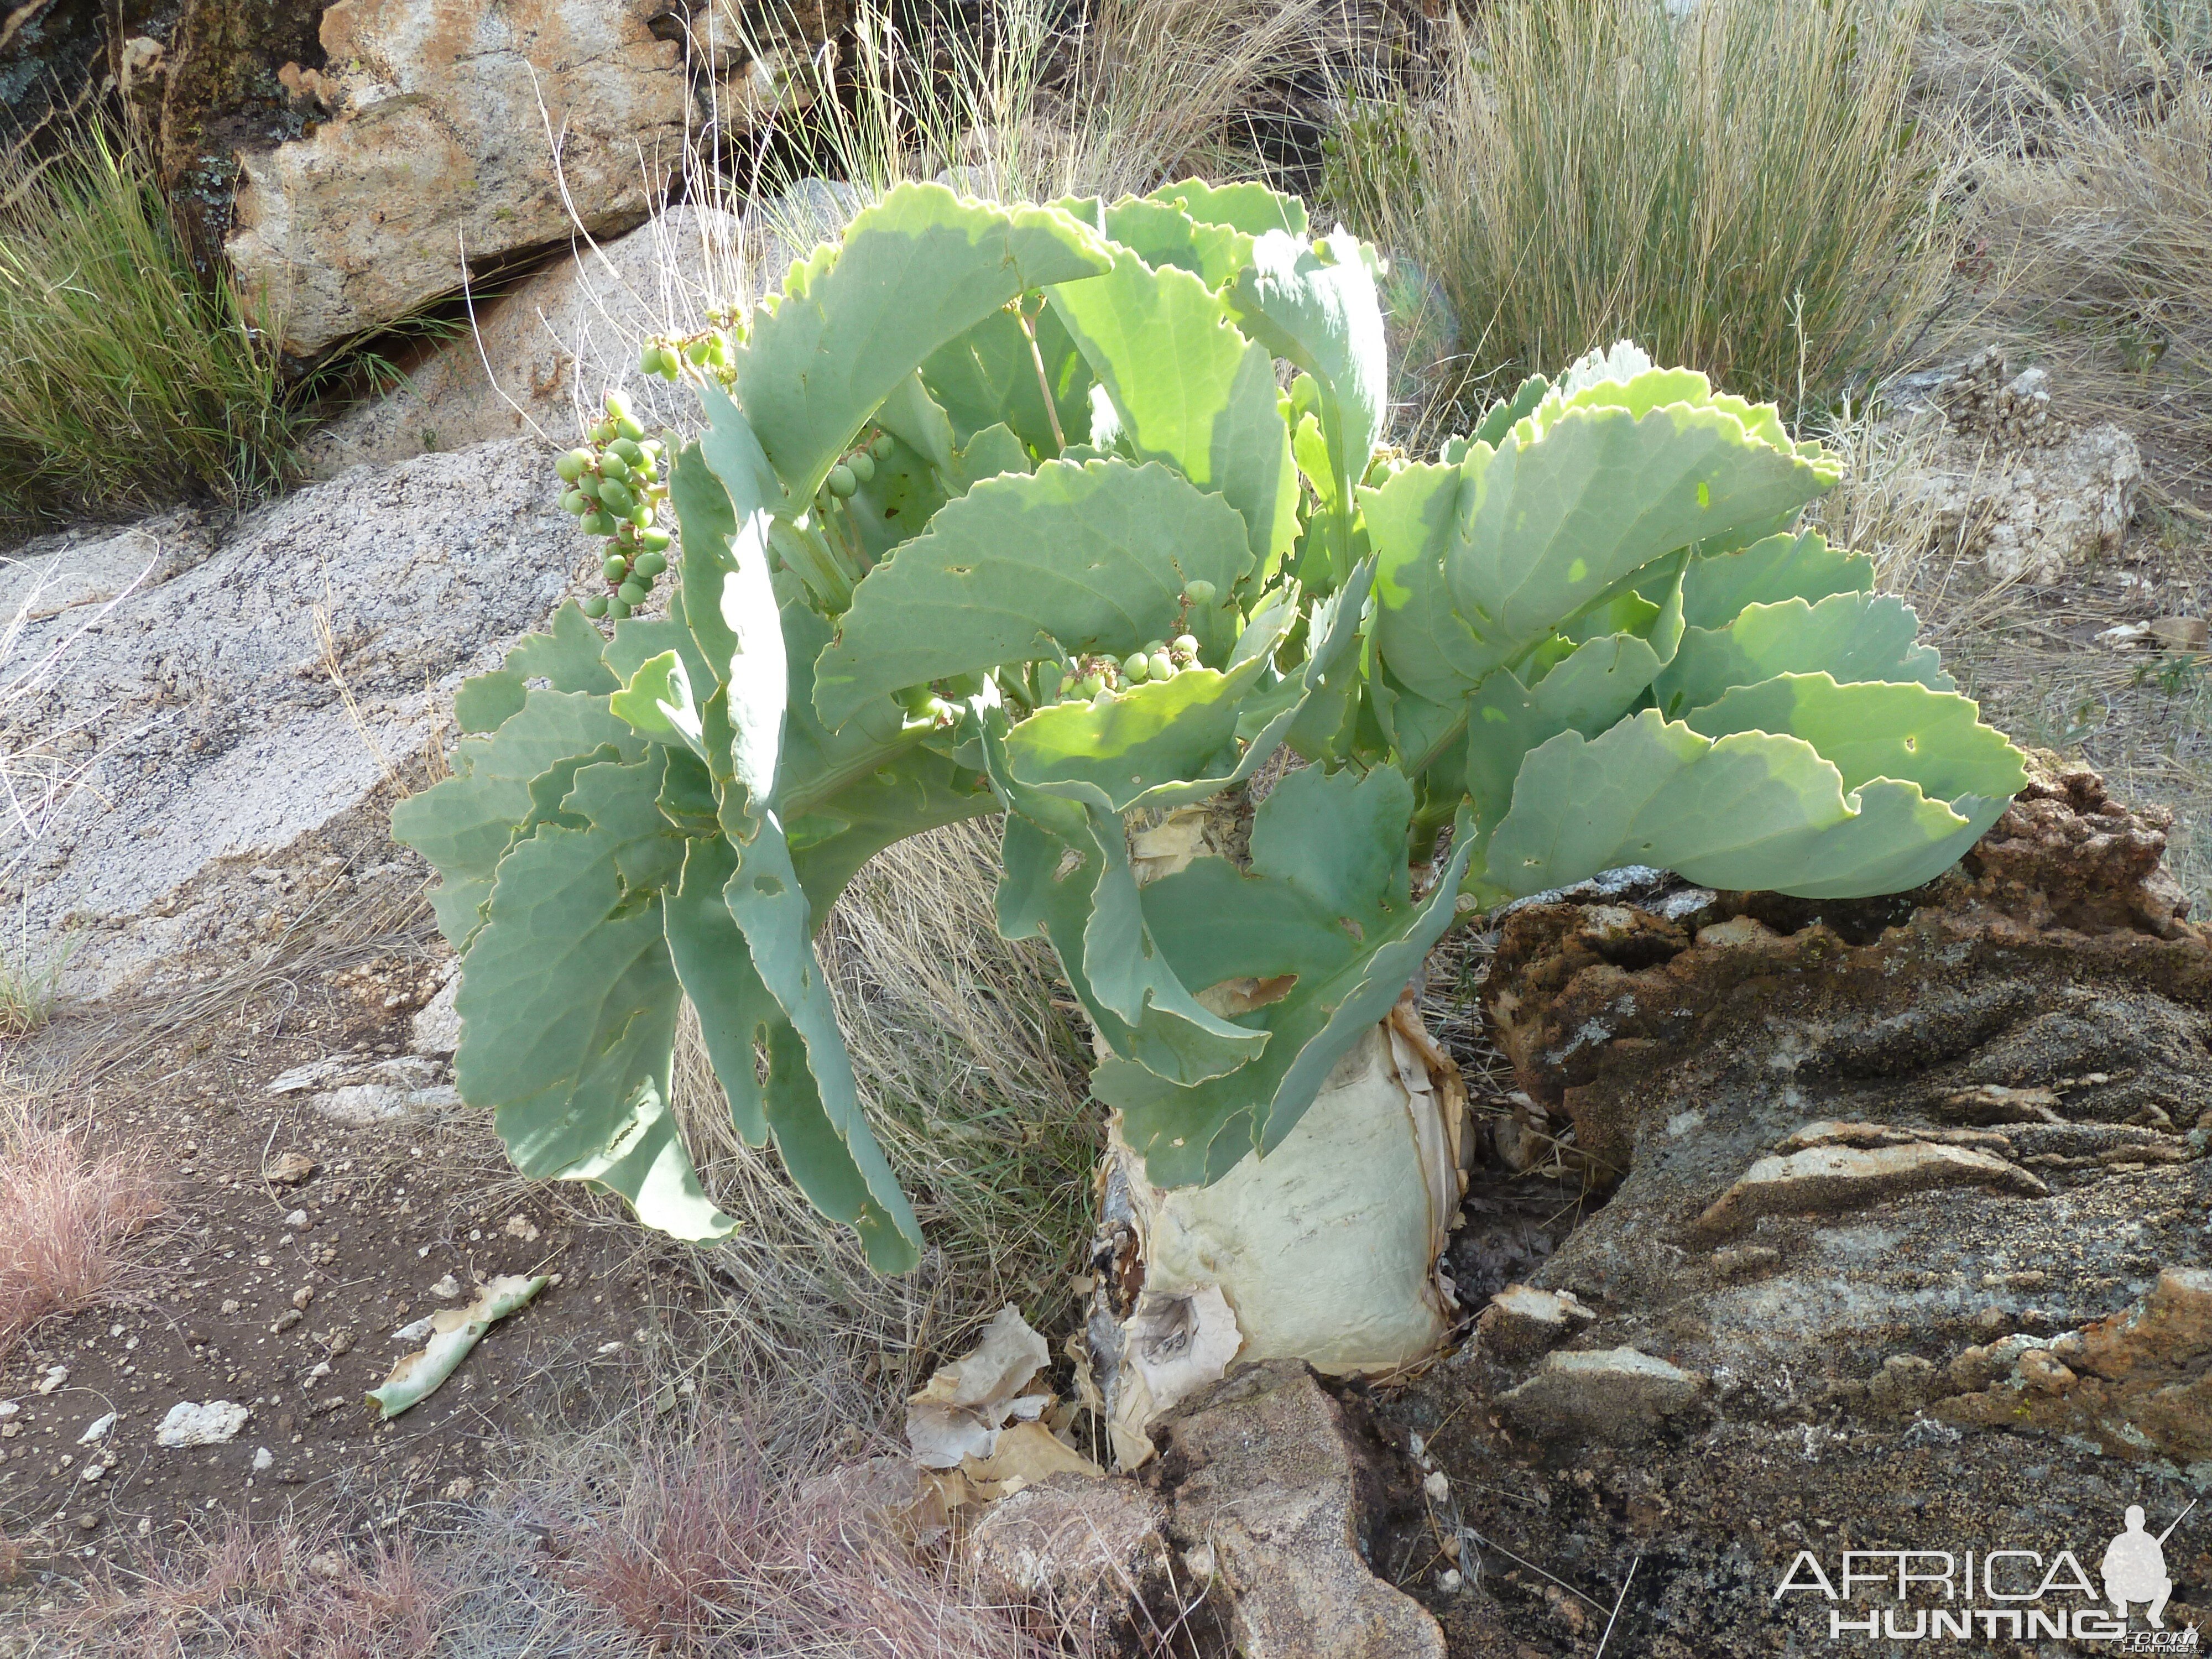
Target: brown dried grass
x: 68, y: 1214
x: 274, y: 1591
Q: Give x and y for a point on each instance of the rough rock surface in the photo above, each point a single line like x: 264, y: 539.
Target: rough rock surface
x: 222, y: 746
x: 435, y: 142
x: 1998, y: 1337
x: 545, y: 355
x: 1269, y: 1482
x: 1074, y: 1544
x: 2033, y: 496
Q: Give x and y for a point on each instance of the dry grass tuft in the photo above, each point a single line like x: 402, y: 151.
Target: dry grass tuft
x: 127, y: 381
x: 67, y: 1215
x: 2099, y: 244
x: 700, y: 1553
x: 973, y: 1081
x: 265, y: 1592
x: 1738, y: 190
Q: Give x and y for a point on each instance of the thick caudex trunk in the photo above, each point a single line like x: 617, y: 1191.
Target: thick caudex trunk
x: 1327, y: 1250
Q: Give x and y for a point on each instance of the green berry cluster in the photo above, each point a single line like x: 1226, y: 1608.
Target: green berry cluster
x: 856, y: 470
x: 706, y: 351
x: 1095, y: 678
x: 618, y: 489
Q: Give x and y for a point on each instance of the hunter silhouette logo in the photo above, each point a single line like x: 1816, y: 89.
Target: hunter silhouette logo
x: 2134, y: 1567
x: 1929, y: 1595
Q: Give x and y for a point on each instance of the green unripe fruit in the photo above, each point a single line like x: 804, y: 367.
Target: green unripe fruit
x: 576, y: 502
x: 574, y: 464
x: 1162, y: 665
x: 617, y: 609
x: 654, y: 539
x: 615, y: 567
x: 627, y: 428
x: 718, y: 352
x: 1185, y: 645
x: 1089, y: 685
x: 650, y: 564
x: 840, y: 481
x: 881, y: 449
x: 595, y: 606
x: 1137, y: 667
x: 863, y: 465
x: 641, y: 514
x: 1201, y: 591
x: 597, y: 524
x: 632, y: 593
x: 612, y: 465
x: 649, y: 359
x: 602, y: 432
x: 617, y: 406
x: 915, y: 698
x: 697, y: 351
x: 631, y: 453
x: 616, y: 495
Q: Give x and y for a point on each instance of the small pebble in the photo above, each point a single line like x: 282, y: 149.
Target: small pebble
x: 297, y: 1219
x: 1437, y: 1486
x: 55, y: 1376
x: 88, y: 1522
x: 446, y: 1288
x: 1449, y: 1581
x: 97, y: 1430
x: 303, y: 1295
x: 264, y: 1460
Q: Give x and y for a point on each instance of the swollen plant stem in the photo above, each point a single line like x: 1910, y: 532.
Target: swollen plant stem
x: 1044, y: 382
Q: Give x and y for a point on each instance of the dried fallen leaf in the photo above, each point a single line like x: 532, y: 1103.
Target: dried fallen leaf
x: 960, y: 1412
x: 454, y: 1332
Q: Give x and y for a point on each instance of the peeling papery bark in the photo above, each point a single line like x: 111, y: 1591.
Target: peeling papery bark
x: 1326, y: 1250
x: 453, y: 1333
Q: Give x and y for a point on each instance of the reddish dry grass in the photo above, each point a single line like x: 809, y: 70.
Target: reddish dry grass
x: 702, y: 1557
x: 271, y: 1592
x: 65, y: 1217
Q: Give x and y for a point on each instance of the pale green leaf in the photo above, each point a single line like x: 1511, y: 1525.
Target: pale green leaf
x: 1074, y: 558
x: 916, y: 271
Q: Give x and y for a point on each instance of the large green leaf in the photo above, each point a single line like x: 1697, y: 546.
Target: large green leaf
x: 1912, y: 732
x: 1411, y: 520
x: 568, y: 1004
x: 1317, y: 307
x: 1074, y: 557
x: 1246, y: 205
x: 1068, y: 877
x: 1580, y: 497
x: 1788, y: 567
x: 1326, y: 901
x: 463, y: 824
x: 1750, y: 809
x: 1143, y: 744
x: 1189, y: 390
x: 916, y: 271
x: 1849, y: 636
x: 988, y: 377
x: 567, y: 657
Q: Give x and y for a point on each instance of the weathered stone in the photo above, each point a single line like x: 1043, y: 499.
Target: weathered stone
x: 1832, y: 1179
x: 543, y: 357
x: 2002, y: 478
x: 1520, y: 1322
x: 1074, y: 1544
x: 435, y: 153
x: 1273, y: 1481
x: 2135, y: 1383
x: 1617, y: 1394
x: 1902, y: 1374
x: 232, y: 761
x: 436, y: 1027
x: 189, y: 1424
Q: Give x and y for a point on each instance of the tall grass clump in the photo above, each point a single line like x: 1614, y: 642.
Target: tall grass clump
x: 1026, y: 101
x: 1738, y: 187
x: 67, y: 1217
x: 127, y: 380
